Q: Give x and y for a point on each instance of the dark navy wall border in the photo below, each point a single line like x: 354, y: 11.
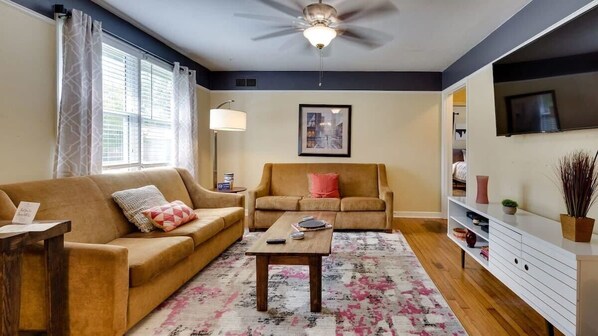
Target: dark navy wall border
x: 122, y: 29
x: 531, y: 20
x: 342, y: 80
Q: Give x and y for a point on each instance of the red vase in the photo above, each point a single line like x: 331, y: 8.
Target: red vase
x: 482, y: 197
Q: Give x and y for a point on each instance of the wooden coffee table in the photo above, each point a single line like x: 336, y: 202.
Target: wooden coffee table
x: 308, y: 251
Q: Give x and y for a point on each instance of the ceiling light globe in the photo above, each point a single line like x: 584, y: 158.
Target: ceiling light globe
x: 319, y: 35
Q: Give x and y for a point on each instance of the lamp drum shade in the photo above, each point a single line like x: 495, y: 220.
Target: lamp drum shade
x: 227, y: 120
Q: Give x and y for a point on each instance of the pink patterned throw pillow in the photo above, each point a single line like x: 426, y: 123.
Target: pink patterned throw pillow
x: 170, y: 216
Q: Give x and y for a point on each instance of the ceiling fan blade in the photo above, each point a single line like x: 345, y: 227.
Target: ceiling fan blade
x: 348, y: 15
x: 262, y: 17
x: 365, y: 43
x: 283, y: 32
x: 292, y: 42
x: 294, y: 12
x: 366, y: 37
x: 377, y: 10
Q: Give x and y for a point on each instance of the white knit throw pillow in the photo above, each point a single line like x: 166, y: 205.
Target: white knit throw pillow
x: 134, y: 201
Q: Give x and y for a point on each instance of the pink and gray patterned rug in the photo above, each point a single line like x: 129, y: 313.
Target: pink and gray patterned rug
x: 373, y: 284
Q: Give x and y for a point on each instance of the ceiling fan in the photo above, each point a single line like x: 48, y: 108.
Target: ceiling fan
x: 320, y: 23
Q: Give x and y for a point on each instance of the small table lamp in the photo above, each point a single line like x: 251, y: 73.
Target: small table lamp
x: 225, y: 120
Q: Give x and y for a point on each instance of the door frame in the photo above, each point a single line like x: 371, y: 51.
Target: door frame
x: 447, y: 135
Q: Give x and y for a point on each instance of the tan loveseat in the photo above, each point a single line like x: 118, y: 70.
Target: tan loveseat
x: 116, y: 274
x: 366, y: 200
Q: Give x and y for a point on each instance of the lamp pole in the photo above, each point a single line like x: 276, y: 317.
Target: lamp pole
x: 224, y: 120
x: 215, y: 168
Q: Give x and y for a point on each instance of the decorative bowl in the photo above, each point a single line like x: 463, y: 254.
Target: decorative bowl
x: 460, y: 233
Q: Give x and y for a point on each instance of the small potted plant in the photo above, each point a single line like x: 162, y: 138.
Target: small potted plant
x: 578, y: 180
x: 509, y: 206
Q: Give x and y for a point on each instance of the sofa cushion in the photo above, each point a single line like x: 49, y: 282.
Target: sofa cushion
x: 149, y: 257
x: 362, y: 204
x: 320, y: 204
x: 230, y: 215
x: 287, y: 203
x: 134, y: 201
x: 360, y: 220
x: 323, y: 185
x: 200, y: 230
x: 167, y: 180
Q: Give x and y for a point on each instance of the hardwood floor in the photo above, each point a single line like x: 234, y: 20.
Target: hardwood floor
x: 481, y: 302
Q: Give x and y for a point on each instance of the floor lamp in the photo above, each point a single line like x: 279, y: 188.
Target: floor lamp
x: 225, y: 120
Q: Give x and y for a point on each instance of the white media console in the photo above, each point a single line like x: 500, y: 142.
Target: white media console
x: 555, y: 276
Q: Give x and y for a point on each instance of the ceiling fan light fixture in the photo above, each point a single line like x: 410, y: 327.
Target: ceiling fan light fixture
x: 319, y: 35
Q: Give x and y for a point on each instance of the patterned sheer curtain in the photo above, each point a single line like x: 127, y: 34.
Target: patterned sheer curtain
x: 79, y: 139
x: 185, y: 153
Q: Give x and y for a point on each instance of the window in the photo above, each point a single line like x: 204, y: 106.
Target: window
x: 137, y: 94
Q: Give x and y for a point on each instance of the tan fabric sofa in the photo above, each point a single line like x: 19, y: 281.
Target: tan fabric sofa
x: 116, y: 274
x: 366, y: 200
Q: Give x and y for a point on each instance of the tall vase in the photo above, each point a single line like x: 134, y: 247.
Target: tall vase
x: 470, y: 238
x: 482, y: 197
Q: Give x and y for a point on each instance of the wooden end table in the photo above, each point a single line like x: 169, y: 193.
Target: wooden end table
x: 11, y: 252
x: 308, y: 251
x: 231, y: 191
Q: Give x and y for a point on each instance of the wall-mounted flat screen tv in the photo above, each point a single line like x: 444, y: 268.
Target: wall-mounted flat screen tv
x: 550, y: 84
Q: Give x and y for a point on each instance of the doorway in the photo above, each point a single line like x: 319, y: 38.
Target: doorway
x: 454, y: 143
x: 459, y: 144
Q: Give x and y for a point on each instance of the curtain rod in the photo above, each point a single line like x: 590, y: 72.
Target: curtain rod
x: 61, y: 12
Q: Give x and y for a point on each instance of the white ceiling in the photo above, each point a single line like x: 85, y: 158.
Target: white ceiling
x: 427, y: 35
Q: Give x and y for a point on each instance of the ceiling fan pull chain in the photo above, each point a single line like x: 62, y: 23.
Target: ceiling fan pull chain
x: 321, y: 68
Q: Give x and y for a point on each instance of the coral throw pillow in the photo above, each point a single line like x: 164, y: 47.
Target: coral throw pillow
x: 323, y: 185
x: 170, y: 216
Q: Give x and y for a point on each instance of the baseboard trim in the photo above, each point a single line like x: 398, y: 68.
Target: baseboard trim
x: 417, y: 214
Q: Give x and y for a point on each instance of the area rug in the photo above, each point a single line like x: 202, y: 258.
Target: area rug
x: 372, y: 285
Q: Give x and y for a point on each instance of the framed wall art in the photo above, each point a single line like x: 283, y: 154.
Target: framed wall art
x: 324, y: 130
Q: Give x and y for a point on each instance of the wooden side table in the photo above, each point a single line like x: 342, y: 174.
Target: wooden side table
x: 11, y: 252
x: 231, y: 191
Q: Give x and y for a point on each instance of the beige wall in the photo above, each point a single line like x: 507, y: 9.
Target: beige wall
x: 399, y: 129
x: 205, y: 146
x: 522, y: 166
x: 27, y: 96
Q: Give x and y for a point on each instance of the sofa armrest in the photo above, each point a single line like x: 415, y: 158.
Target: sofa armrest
x: 386, y: 194
x: 98, y: 287
x: 263, y: 189
x: 7, y: 207
x: 204, y: 198
x: 388, y: 197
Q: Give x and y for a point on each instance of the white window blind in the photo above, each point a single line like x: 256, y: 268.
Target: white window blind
x: 137, y: 111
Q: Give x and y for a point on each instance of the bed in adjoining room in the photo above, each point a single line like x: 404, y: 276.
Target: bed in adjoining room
x: 459, y: 172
